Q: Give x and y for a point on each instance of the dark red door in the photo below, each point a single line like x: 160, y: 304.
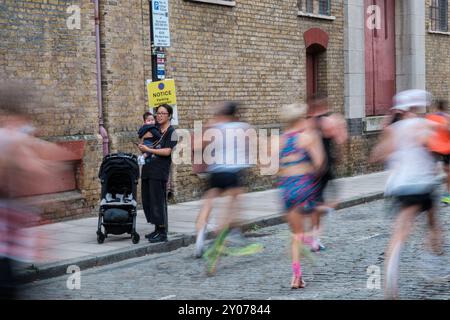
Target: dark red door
x: 311, y: 75
x: 379, y: 55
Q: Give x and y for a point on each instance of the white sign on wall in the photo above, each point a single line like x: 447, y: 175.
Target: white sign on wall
x: 160, y: 18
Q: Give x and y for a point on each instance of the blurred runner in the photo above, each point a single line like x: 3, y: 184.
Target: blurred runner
x: 302, y: 160
x: 227, y: 169
x: 412, y: 181
x: 27, y: 165
x: 439, y: 142
x: 332, y: 128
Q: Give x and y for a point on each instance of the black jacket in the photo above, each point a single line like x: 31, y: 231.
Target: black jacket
x: 152, y: 128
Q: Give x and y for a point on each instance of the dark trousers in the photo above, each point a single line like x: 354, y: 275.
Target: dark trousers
x: 154, y: 202
x: 8, y: 289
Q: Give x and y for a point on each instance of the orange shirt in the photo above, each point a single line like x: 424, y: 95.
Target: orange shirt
x: 440, y: 140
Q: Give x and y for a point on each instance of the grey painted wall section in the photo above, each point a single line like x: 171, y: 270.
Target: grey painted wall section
x: 354, y: 59
x: 410, y: 44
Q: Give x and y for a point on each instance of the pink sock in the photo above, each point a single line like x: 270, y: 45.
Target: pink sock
x: 308, y: 240
x: 297, y: 269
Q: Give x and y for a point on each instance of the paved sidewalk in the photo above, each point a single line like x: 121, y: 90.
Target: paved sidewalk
x: 75, y: 242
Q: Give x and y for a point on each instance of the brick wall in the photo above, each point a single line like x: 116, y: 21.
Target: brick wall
x: 59, y: 63
x: 437, y: 61
x: 253, y: 52
x: 123, y: 80
x: 38, y: 46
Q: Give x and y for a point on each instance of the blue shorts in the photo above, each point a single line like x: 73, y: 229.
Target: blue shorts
x: 302, y: 191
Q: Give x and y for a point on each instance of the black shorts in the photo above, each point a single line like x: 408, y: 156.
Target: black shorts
x: 323, y: 183
x: 425, y: 201
x: 325, y: 179
x: 445, y: 158
x: 225, y: 180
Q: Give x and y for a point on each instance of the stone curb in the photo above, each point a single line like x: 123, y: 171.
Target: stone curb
x: 176, y: 241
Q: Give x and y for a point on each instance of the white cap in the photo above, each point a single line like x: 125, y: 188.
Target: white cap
x: 405, y: 100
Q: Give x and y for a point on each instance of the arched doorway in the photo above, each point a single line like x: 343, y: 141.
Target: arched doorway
x: 316, y: 43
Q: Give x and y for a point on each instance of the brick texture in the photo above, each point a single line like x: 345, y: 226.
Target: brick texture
x: 59, y: 64
x: 253, y: 52
x: 437, y: 60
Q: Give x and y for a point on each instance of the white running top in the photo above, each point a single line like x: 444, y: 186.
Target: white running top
x: 413, y: 166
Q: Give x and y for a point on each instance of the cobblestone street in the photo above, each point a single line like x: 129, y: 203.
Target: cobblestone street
x: 355, y: 238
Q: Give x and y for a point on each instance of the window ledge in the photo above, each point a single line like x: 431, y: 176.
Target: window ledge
x: 219, y: 2
x: 373, y: 123
x: 439, y: 32
x: 316, y: 16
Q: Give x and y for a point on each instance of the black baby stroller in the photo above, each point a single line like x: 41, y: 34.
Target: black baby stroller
x: 119, y: 175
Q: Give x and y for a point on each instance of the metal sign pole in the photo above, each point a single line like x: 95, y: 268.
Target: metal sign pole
x: 153, y: 48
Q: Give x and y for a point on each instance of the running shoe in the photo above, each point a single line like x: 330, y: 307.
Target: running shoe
x: 236, y: 238
x: 320, y: 246
x: 317, y: 246
x: 446, y: 199
x: 244, y: 251
x: 213, y: 254
x: 297, y: 283
x: 391, y: 285
x: 200, y: 243
x: 391, y: 289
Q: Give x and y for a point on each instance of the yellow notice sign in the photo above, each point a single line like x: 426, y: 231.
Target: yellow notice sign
x: 161, y: 92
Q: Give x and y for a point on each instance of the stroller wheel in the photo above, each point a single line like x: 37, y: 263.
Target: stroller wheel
x: 135, y: 238
x: 100, y: 237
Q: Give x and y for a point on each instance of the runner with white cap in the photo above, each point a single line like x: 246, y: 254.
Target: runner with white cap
x: 412, y: 181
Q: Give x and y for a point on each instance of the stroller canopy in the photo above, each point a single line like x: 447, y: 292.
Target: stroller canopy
x: 119, y: 162
x: 119, y: 174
